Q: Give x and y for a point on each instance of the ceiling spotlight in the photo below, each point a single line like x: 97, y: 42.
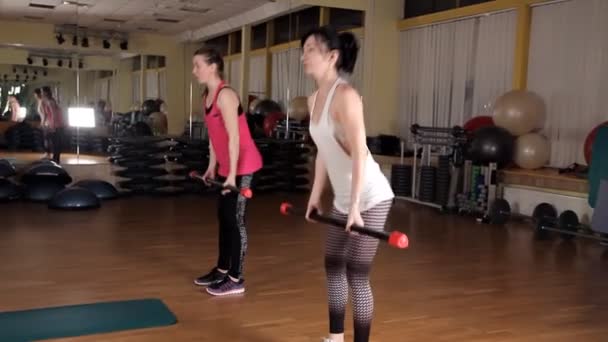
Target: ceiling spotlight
x: 85, y: 42
x: 106, y: 44
x: 60, y: 39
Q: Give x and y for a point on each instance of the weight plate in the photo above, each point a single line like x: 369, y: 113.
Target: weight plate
x: 568, y: 221
x: 500, y: 211
x: 545, y: 212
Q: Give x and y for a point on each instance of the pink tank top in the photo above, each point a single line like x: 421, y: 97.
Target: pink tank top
x: 250, y: 159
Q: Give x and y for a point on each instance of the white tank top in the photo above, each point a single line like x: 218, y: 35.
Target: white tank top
x: 339, y: 164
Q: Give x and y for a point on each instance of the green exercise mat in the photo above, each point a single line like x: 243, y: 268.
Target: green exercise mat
x: 85, y: 319
x: 598, y: 168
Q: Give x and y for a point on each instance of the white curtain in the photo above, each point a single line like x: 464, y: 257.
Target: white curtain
x: 568, y: 67
x: 162, y: 84
x: 257, y: 75
x: 493, y: 60
x: 287, y: 73
x: 103, y: 88
x: 151, y: 84
x: 451, y: 71
x: 135, y: 85
x: 235, y: 73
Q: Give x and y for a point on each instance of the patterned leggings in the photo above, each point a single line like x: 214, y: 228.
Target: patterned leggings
x: 348, y: 260
x: 231, y: 212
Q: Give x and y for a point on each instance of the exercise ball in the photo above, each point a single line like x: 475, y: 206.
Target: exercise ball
x: 271, y: 121
x: 74, y: 198
x: 265, y: 107
x: 519, y: 112
x: 298, y: 108
x: 477, y: 122
x: 158, y: 123
x: 491, y: 144
x: 531, y: 151
x: 150, y: 106
x: 588, y: 147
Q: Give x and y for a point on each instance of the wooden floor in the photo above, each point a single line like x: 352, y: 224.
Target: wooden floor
x: 459, y: 281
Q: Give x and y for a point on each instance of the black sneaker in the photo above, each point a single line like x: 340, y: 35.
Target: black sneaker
x: 227, y: 287
x: 211, y: 278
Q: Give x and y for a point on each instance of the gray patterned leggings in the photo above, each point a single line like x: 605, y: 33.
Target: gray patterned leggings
x: 348, y: 260
x: 233, y: 230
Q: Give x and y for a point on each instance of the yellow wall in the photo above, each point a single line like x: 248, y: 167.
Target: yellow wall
x: 381, y: 76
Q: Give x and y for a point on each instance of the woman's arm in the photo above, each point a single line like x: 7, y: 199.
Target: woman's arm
x: 320, y: 171
x: 349, y: 114
x: 212, y: 160
x: 228, y: 102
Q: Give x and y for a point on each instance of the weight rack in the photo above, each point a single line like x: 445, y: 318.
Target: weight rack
x: 451, y: 141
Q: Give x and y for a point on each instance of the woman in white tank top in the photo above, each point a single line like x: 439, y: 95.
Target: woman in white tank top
x: 362, y: 194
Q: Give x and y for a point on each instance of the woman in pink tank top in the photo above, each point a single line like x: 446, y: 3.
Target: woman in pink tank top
x: 234, y: 154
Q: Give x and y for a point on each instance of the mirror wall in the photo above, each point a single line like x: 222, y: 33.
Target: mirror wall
x: 83, y: 68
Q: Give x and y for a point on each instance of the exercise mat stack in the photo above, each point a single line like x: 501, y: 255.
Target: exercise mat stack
x: 23, y: 137
x: 286, y: 165
x: 140, y: 163
x: 292, y: 160
x: 266, y: 180
x: 87, y: 142
x: 185, y: 156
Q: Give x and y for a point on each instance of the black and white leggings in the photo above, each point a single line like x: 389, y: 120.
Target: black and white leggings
x: 231, y: 210
x: 348, y: 259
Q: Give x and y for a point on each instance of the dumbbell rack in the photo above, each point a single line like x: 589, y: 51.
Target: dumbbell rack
x: 477, y: 196
x: 450, y: 140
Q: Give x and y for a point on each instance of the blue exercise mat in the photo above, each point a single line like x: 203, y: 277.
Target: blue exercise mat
x: 85, y: 319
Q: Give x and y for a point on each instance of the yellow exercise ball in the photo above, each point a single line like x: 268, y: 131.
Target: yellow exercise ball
x: 298, y: 108
x: 532, y: 151
x: 519, y: 112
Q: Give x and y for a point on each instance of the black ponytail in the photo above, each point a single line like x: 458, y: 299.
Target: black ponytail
x: 349, y: 48
x: 345, y: 42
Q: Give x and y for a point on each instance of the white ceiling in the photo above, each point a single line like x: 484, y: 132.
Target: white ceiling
x: 136, y: 15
